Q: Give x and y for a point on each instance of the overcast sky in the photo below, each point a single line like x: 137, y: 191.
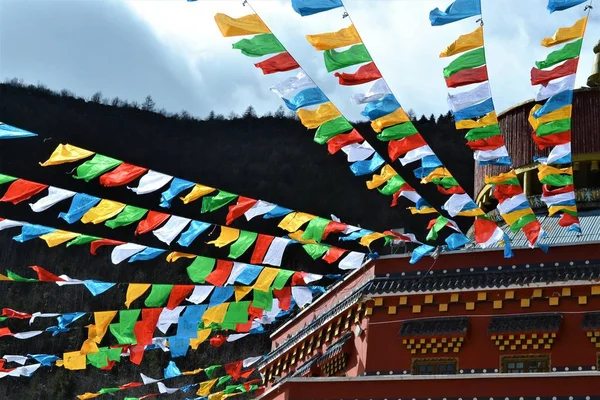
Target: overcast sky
x: 172, y: 49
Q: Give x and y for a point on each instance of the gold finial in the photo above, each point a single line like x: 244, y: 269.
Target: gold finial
x: 594, y: 78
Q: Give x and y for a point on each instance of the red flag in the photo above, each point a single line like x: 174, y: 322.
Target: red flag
x: 546, y: 191
x: 450, y: 190
x: 503, y: 192
x: 144, y: 329
x: 149, y: 395
x: 333, y: 226
x: 491, y: 143
x: 397, y: 148
x: 532, y: 231
x: 2, y: 361
x: 122, y: 175
x: 96, y: 244
x: 153, y: 220
x: 279, y: 63
x: 344, y: 139
x: 404, y: 188
x: 178, y: 294
x: 46, y: 276
x: 243, y: 328
x: 431, y: 223
x: 248, y: 384
x: 21, y: 190
x: 543, y: 77
x: 136, y: 353
x: 260, y: 248
x: 484, y: 229
x: 243, y: 204
x: 255, y: 312
x: 10, y: 313
x: 567, y: 220
x: 130, y: 385
x: 332, y: 255
x: 220, y: 274
x: 467, y: 77
x: 552, y: 140
x: 217, y: 341
x: 285, y: 297
x: 234, y: 369
x: 298, y: 279
x: 110, y: 366
x: 364, y: 74
x: 5, y: 332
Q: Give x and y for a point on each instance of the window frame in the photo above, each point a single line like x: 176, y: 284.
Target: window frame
x: 504, y: 360
x: 436, y: 362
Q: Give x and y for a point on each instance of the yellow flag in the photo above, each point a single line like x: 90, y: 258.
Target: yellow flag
x: 58, y: 237
x: 370, y: 238
x: 246, y: 25
x: 266, y: 277
x: 228, y: 235
x: 196, y: 371
x: 89, y: 347
x: 387, y: 173
x: 197, y: 191
x: 471, y: 213
x: 106, y: 209
x: 297, y: 236
x: 87, y: 395
x: 556, y: 115
x: 545, y: 170
x: 217, y: 396
x: 514, y: 216
x: 334, y: 40
x: 438, y: 173
x: 395, y: 118
x: 424, y: 210
x: 466, y: 42
x: 487, y: 120
x: 501, y: 177
x: 176, y: 255
x: 565, y: 34
x: 74, y: 360
x: 205, y: 387
x: 4, y: 278
x: 101, y: 321
x: 241, y: 291
x: 312, y: 119
x: 215, y: 314
x: 554, y: 209
x: 65, y: 153
x: 134, y: 291
x: 201, y: 338
x: 293, y: 221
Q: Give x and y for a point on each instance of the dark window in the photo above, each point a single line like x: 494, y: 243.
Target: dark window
x: 525, y: 364
x: 434, y: 366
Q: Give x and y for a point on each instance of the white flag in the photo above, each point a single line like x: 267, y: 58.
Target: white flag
x: 8, y: 223
x: 147, y: 380
x: 171, y: 229
x: 275, y: 252
x: 554, y: 87
x: 16, y: 359
x: 460, y: 101
x: 358, y: 151
x: 299, y: 82
x: 302, y: 295
x: 416, y: 154
x: 558, y: 198
x: 168, y: 317
x: 250, y: 361
x: 489, y: 155
x: 260, y: 208
x: 27, y: 335
x: 353, y: 260
x: 124, y: 251
x: 151, y: 182
x: 237, y: 269
x: 163, y: 389
x: 455, y: 203
x: 510, y: 204
x: 54, y: 196
x: 497, y: 236
x: 558, y: 152
x: 375, y: 92
x: 200, y: 294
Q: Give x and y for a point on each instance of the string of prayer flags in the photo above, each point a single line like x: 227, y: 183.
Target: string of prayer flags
x: 11, y: 132
x: 551, y: 122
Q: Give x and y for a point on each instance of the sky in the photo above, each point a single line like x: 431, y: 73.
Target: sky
x: 173, y: 51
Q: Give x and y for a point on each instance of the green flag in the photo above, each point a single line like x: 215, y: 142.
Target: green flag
x: 242, y: 244
x: 199, y: 269
x: 95, y: 167
x: 315, y: 229
x: 440, y: 223
x: 3, y: 319
x: 550, y: 128
x: 109, y: 390
x: 262, y: 300
x: 18, y: 278
x: 392, y: 186
x: 282, y: 278
x: 483, y: 133
x: 568, y: 51
x: 128, y: 216
x: 212, y: 203
x: 6, y: 179
x: 396, y: 132
x: 232, y: 388
x: 158, y: 295
x: 237, y: 313
x: 259, y: 45
x: 114, y: 354
x: 223, y: 379
x: 521, y: 222
x: 472, y: 59
x: 332, y: 128
x: 82, y: 239
x: 99, y: 359
x: 335, y: 60
x: 558, y: 180
x: 315, y: 250
x: 211, y: 370
x: 445, y: 182
x: 123, y: 331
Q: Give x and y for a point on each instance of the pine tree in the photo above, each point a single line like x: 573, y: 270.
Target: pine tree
x: 250, y: 113
x: 148, y: 104
x: 279, y: 113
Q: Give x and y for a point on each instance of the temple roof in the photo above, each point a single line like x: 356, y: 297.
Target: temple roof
x: 525, y: 323
x: 335, y: 348
x: 435, y: 326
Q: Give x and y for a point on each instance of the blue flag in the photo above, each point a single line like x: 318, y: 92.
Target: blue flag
x: 366, y: 167
x: 508, y: 253
x: 310, y: 7
x: 456, y: 241
x: 458, y: 10
x: 80, y: 204
x: 475, y: 111
x: 172, y: 370
x: 384, y: 106
x: 560, y: 5
x: 97, y: 287
x: 11, y: 132
x: 29, y: 232
x: 249, y: 274
x: 148, y: 253
x: 196, y: 228
x: 420, y: 252
x: 559, y: 100
x: 307, y: 97
x: 177, y: 186
x: 277, y: 212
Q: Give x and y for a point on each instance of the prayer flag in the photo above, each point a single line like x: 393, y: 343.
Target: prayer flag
x: 310, y: 7
x: 212, y: 203
x: 464, y: 42
x: 335, y: 60
x: 106, y: 209
x: 242, y: 244
x: 467, y: 77
x: 134, y: 291
x: 333, y: 40
x: 122, y: 175
x: 12, y: 132
x: 95, y: 167
x: 128, y: 216
x: 151, y: 182
x: 246, y: 25
x: 393, y: 118
x: 158, y: 295
x: 332, y: 128
x: 21, y: 190
x: 169, y: 231
x: 366, y: 73
x: 226, y: 236
x: 543, y: 77
x: 65, y: 153
x: 459, y: 9
x: 312, y: 119
x: 259, y: 45
x: 563, y: 35
x: 560, y: 5
x: 279, y: 63
x: 152, y: 221
x: 568, y: 51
